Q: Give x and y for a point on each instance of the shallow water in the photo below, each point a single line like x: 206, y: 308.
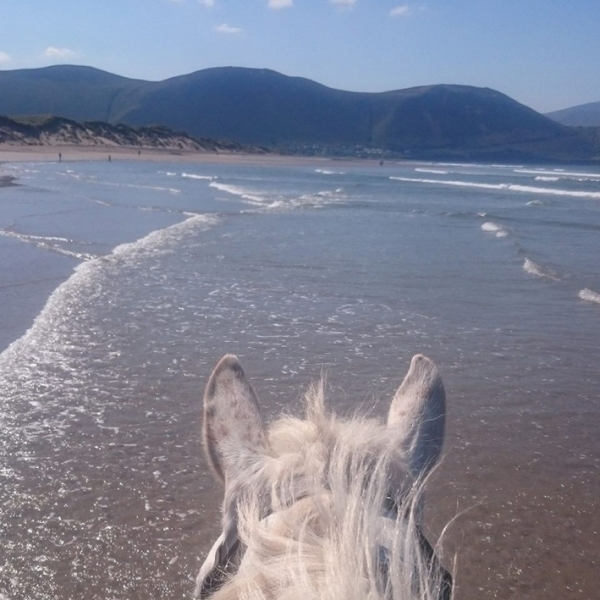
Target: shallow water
x: 122, y: 284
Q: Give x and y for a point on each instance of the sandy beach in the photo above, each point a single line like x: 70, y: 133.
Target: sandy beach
x: 14, y: 153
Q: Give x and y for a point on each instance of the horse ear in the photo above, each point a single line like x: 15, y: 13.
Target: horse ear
x: 418, y: 413
x: 231, y: 416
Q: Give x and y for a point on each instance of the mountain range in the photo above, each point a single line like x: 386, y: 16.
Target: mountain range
x: 292, y: 114
x: 583, y: 115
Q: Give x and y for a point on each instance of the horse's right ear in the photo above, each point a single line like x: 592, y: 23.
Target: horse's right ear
x: 232, y: 420
x: 418, y: 414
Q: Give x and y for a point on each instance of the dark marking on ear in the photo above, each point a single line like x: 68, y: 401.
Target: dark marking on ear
x: 237, y: 369
x: 228, y: 364
x: 232, y: 419
x: 211, y: 388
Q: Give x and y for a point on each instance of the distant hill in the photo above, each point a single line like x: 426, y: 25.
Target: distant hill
x: 58, y: 131
x: 586, y: 115
x: 292, y: 114
x: 73, y: 92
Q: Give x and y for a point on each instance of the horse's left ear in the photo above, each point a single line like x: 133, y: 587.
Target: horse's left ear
x: 418, y: 413
x: 232, y: 419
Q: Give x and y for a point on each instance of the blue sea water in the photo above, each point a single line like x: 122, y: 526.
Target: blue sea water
x: 123, y: 283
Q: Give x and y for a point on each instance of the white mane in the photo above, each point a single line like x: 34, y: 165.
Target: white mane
x: 318, y: 508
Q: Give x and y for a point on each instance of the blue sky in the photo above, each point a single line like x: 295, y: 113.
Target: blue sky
x: 544, y: 53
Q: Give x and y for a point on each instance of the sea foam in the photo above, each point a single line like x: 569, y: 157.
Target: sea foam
x: 562, y: 172
x: 153, y: 188
x: 504, y: 186
x: 492, y: 227
x: 436, y: 171
x: 86, y: 282
x: 328, y: 172
x: 244, y: 193
x: 534, y: 269
x: 51, y: 243
x: 589, y: 296
x: 193, y: 176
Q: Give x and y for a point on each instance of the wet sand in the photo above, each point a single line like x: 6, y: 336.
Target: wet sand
x: 524, y: 510
x: 13, y: 153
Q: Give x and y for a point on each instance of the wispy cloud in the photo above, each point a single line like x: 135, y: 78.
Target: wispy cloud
x: 401, y: 11
x: 4, y: 58
x: 58, y: 54
x: 206, y: 3
x: 277, y: 4
x: 346, y: 3
x: 225, y: 28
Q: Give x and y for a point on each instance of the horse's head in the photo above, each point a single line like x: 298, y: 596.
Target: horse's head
x: 323, y: 507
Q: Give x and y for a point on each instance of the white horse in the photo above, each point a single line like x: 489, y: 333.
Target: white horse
x: 323, y: 507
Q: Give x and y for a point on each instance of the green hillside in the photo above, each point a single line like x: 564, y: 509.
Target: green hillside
x: 78, y: 93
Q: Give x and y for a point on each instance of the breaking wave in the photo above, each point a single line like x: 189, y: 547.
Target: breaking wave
x: 279, y: 202
x: 436, y: 171
x: 327, y: 172
x: 244, y: 193
x: 563, y: 174
x: 87, y: 277
x: 192, y: 176
x: 504, y: 186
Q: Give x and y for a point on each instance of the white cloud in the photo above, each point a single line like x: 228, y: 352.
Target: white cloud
x: 207, y: 3
x: 53, y: 53
x: 224, y: 28
x: 400, y: 11
x: 4, y: 58
x: 344, y: 2
x: 277, y: 4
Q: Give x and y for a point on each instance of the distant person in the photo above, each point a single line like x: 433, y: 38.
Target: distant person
x: 109, y: 159
x: 59, y: 157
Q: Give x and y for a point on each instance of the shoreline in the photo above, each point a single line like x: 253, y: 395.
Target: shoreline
x: 10, y: 153
x: 15, y: 153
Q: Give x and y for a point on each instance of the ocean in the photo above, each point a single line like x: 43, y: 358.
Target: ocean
x: 123, y: 283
